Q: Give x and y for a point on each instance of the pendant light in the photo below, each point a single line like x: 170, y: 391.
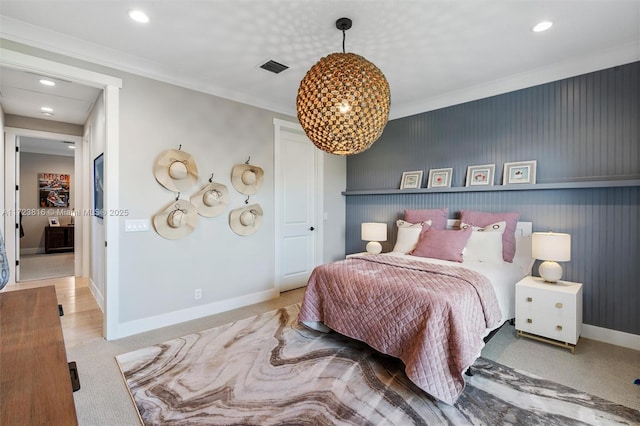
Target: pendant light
x: 343, y: 101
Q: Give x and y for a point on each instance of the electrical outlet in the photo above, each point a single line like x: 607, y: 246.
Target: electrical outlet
x: 198, y: 294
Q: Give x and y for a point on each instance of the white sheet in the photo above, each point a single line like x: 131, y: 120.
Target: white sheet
x: 503, y: 277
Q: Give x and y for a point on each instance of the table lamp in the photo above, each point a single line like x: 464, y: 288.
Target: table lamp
x: 374, y: 232
x: 551, y: 247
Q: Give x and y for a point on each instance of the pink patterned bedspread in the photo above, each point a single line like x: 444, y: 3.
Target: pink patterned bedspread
x: 431, y: 316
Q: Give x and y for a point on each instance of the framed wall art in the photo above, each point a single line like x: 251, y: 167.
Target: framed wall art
x: 519, y: 173
x: 53, y: 190
x: 440, y: 178
x: 480, y: 175
x: 98, y: 186
x: 411, y: 180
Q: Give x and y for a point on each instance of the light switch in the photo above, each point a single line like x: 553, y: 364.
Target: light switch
x: 136, y: 225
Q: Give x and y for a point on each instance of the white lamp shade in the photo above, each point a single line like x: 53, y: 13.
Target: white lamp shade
x: 551, y: 246
x: 372, y: 231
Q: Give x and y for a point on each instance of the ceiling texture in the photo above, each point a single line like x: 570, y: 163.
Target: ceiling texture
x: 433, y: 53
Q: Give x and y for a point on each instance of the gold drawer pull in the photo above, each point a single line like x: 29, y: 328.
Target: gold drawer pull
x: 529, y: 299
x: 559, y: 327
x: 529, y: 320
x: 559, y: 305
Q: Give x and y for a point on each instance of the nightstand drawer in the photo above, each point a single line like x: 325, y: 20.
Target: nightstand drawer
x: 551, y: 303
x: 558, y: 328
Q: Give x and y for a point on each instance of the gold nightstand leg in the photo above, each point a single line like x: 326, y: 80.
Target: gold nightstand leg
x: 565, y: 345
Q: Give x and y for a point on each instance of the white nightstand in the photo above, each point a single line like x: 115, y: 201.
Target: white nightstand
x: 548, y: 312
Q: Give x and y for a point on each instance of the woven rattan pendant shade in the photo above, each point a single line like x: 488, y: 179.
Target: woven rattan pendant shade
x: 343, y: 103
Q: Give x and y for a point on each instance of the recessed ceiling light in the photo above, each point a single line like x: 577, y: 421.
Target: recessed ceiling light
x: 541, y: 26
x: 48, y: 114
x: 46, y: 109
x: 72, y: 147
x: 138, y: 16
x: 46, y: 82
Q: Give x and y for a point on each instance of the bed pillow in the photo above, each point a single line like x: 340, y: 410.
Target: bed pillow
x: 408, y: 235
x: 482, y: 219
x: 523, y: 256
x: 438, y: 217
x: 484, y: 244
x: 444, y: 244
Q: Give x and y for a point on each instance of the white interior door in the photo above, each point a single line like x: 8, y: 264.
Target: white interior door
x: 298, y: 203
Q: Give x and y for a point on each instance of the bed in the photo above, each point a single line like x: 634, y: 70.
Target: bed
x: 431, y: 313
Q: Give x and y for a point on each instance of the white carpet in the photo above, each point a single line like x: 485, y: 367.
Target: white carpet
x: 42, y: 266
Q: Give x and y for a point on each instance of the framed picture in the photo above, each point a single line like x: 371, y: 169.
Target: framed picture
x: 440, y: 178
x: 519, y: 172
x: 411, y: 180
x: 480, y: 175
x: 53, y: 221
x: 98, y: 186
x: 53, y: 190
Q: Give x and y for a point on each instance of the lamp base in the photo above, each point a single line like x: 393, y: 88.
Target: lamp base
x: 374, y: 247
x: 550, y: 271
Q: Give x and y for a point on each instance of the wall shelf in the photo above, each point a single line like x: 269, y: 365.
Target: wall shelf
x: 609, y: 183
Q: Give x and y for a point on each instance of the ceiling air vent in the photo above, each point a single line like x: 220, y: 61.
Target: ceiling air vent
x: 273, y: 66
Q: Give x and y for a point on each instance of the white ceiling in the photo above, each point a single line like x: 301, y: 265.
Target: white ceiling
x: 433, y: 53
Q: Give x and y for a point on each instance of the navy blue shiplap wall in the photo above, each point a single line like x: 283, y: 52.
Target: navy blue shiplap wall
x: 578, y: 129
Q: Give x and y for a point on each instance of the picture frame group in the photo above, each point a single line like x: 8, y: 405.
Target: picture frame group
x: 514, y: 173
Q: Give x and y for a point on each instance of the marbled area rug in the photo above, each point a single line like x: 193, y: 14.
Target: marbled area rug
x: 268, y: 370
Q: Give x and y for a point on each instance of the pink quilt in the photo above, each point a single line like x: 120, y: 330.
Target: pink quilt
x: 430, y: 316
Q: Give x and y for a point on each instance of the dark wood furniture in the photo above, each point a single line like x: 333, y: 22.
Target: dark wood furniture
x: 58, y: 239
x: 35, y: 383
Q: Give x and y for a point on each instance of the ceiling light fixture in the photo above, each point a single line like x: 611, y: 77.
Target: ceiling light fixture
x: 46, y: 109
x: 138, y: 16
x: 542, y: 26
x: 46, y: 82
x: 343, y: 101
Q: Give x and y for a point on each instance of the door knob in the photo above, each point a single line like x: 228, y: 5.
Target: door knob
x: 311, y: 228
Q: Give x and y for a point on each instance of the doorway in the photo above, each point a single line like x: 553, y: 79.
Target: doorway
x: 45, y: 200
x: 298, y: 203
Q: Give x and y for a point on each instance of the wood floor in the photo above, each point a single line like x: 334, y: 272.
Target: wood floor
x: 82, y: 320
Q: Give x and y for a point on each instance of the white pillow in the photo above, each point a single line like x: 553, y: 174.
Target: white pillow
x: 408, y: 235
x: 523, y: 256
x: 485, y: 243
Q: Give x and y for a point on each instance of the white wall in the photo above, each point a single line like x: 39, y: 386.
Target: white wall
x: 95, y: 131
x: 157, y: 277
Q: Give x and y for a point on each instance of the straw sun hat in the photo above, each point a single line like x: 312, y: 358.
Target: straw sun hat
x: 246, y: 220
x: 211, y: 200
x: 178, y: 220
x: 176, y: 170
x: 247, y: 178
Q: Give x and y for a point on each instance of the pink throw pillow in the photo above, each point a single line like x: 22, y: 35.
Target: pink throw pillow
x: 483, y: 219
x: 445, y: 244
x: 438, y: 217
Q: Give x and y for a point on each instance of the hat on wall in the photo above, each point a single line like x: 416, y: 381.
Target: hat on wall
x: 176, y: 170
x: 247, y: 178
x: 178, y: 220
x: 246, y: 220
x: 211, y: 200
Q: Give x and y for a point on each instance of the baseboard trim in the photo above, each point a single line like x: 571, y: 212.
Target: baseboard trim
x: 130, y: 328
x: 28, y: 251
x: 613, y: 337
x: 96, y: 294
